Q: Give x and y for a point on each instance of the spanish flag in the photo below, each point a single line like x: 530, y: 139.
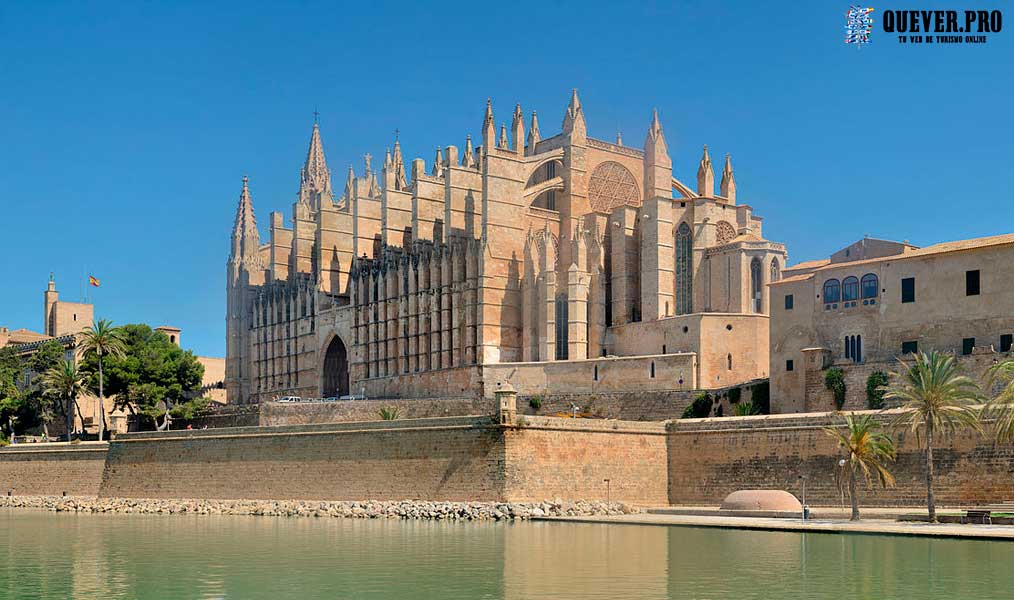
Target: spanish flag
x: 93, y: 281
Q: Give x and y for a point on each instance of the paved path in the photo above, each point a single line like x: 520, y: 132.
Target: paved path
x: 871, y: 526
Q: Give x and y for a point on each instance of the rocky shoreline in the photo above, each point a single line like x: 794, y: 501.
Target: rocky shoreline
x: 405, y: 509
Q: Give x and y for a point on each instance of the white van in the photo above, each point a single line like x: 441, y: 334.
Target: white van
x: 290, y: 399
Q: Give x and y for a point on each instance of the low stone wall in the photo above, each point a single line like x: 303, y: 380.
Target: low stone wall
x: 52, y: 469
x: 305, y: 413
x: 588, y: 459
x: 457, y: 459
x: 622, y: 374
x: 710, y: 458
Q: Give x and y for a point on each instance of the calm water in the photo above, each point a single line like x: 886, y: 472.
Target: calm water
x: 46, y: 555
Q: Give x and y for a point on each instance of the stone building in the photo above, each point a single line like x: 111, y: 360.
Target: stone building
x: 64, y: 322
x: 545, y: 261
x: 877, y: 300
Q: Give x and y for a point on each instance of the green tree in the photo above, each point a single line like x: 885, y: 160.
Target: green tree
x: 152, y: 376
x: 935, y: 398
x: 1000, y: 377
x: 65, y: 382
x: 45, y: 406
x: 834, y: 380
x: 699, y: 408
x: 875, y: 389
x: 103, y: 340
x: 866, y: 451
x: 12, y: 400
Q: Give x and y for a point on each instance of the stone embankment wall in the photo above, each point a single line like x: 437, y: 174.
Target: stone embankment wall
x: 52, y: 469
x: 306, y: 413
x: 459, y: 459
x: 584, y: 458
x: 710, y: 458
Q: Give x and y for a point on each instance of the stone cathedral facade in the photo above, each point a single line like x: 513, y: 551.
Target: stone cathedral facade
x: 555, y: 263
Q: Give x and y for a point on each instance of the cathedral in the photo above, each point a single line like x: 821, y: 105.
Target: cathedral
x: 554, y: 263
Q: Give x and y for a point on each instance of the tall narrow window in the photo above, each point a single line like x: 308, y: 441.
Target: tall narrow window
x: 684, y: 269
x: 755, y: 284
x: 561, y: 327
x: 859, y: 349
x: 972, y: 283
x: 967, y: 345
x: 908, y: 289
x: 776, y: 272
x: 729, y: 364
x: 1006, y: 341
x: 652, y: 369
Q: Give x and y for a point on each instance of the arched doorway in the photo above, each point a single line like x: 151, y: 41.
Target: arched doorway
x: 335, y: 374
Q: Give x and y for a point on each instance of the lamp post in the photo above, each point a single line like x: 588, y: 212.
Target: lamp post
x: 841, y: 488
x: 802, y: 478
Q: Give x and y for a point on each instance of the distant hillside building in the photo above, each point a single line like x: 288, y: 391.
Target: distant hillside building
x: 877, y: 300
x: 561, y: 263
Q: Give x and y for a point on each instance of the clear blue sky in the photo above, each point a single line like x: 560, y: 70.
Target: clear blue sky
x: 125, y: 128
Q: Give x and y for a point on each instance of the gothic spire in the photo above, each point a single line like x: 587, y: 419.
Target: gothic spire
x: 398, y: 164
x: 533, y: 134
x: 468, y: 156
x: 705, y: 175
x: 245, y: 239
x: 350, y: 183
x: 315, y: 178
x: 518, y: 130
x: 573, y: 119
x: 438, y: 162
x: 728, y: 186
x: 504, y: 143
x: 488, y: 126
x: 655, y: 145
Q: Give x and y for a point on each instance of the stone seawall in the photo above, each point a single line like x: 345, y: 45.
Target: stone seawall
x: 52, y: 469
x: 710, y: 458
x: 308, y: 413
x: 458, y: 459
x: 585, y: 458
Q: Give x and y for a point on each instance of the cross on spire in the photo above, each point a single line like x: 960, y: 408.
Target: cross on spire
x: 316, y: 115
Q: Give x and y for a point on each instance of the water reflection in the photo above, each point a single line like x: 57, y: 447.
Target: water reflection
x: 238, y: 558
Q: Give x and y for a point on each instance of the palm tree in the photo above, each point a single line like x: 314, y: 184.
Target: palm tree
x: 937, y: 398
x: 103, y: 339
x: 65, y: 382
x: 866, y: 450
x: 1001, y: 406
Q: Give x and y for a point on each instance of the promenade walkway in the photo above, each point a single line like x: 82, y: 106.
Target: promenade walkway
x: 874, y: 524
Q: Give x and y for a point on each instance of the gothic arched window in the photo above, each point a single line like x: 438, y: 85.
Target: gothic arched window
x: 684, y: 269
x: 832, y: 291
x: 561, y: 327
x: 755, y: 284
x: 870, y: 285
x: 776, y: 272
x: 849, y: 289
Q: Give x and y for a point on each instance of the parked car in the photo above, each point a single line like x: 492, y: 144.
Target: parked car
x: 290, y: 399
x: 331, y: 399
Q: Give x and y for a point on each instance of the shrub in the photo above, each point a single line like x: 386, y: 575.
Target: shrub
x: 760, y: 393
x: 834, y: 380
x: 874, y: 389
x: 699, y: 408
x: 388, y: 414
x: 745, y: 409
x: 535, y: 402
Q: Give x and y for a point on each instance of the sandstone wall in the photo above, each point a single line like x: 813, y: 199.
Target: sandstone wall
x: 448, y: 459
x: 52, y: 469
x: 710, y: 458
x: 591, y: 459
x: 304, y: 413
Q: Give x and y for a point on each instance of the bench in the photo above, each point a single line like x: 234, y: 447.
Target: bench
x: 984, y: 514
